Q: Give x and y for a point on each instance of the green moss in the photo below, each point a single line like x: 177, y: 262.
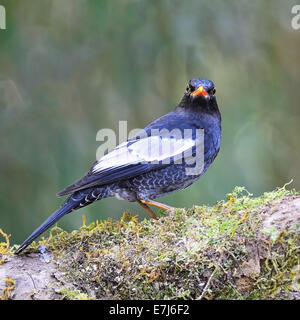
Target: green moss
x: 74, y: 295
x: 187, y: 254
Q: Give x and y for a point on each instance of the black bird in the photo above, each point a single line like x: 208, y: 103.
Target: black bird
x: 168, y: 155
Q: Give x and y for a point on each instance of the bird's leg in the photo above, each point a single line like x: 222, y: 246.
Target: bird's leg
x: 148, y: 210
x: 158, y: 204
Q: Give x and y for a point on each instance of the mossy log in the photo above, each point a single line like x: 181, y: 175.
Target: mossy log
x: 244, y: 247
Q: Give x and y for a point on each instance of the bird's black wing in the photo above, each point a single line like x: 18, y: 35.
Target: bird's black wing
x: 135, y: 157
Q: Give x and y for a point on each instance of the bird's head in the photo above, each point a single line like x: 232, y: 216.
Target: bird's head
x: 199, y: 96
x: 200, y: 90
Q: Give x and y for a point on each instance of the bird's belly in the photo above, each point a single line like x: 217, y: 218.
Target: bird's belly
x: 160, y: 192
x: 158, y: 183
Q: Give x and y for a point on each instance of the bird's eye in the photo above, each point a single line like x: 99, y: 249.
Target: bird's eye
x: 213, y: 91
x: 189, y: 88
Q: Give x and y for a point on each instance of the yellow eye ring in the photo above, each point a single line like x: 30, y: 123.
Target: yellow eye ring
x: 213, y: 91
x: 188, y: 89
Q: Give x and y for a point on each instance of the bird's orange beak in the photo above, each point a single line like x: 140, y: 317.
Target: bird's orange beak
x: 200, y: 91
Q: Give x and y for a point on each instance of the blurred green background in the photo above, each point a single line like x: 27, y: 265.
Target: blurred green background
x: 71, y: 67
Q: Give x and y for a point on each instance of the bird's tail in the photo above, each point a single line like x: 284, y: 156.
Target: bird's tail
x: 66, y: 208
